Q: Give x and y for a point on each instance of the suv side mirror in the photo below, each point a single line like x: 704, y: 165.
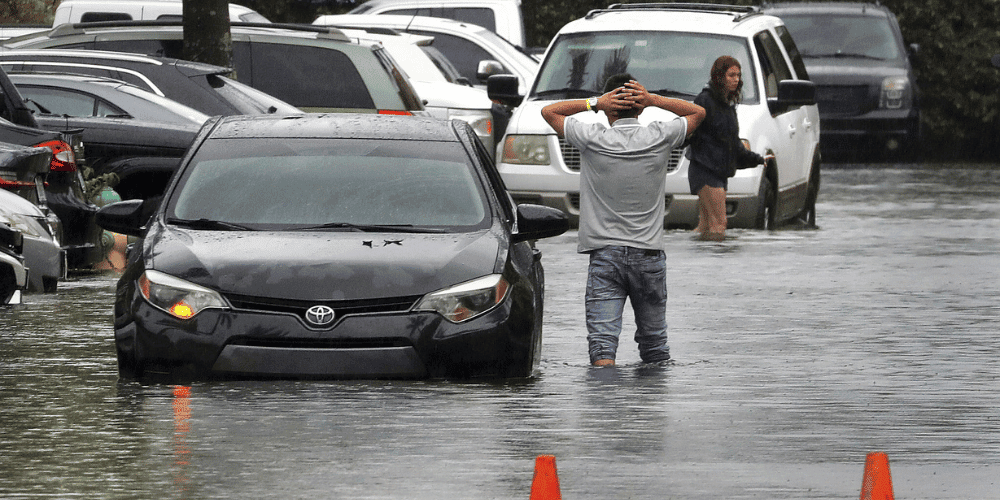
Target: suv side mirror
x: 123, y: 217
x: 488, y: 68
x: 536, y: 222
x: 503, y: 89
x: 792, y: 94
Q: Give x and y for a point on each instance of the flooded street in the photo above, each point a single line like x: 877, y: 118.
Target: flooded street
x: 796, y: 352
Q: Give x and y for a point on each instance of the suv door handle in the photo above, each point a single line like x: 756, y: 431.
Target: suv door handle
x: 791, y: 131
x: 807, y: 124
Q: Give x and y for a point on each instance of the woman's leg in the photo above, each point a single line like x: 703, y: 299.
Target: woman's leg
x: 713, y: 202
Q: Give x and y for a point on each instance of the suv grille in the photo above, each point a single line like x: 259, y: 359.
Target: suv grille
x: 571, y: 156
x: 845, y: 100
x: 341, y: 307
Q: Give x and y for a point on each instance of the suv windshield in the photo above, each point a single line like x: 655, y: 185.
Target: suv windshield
x: 825, y: 35
x: 333, y: 184
x: 670, y: 64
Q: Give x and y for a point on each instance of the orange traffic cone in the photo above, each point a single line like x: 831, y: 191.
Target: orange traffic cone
x: 877, y: 482
x: 545, y: 485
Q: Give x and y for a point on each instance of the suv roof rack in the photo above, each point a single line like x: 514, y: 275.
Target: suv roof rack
x: 75, y: 28
x: 739, y: 12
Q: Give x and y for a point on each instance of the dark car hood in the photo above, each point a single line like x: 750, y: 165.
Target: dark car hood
x: 321, y: 265
x: 851, y: 71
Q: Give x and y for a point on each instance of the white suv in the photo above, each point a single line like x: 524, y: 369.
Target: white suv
x: 670, y: 49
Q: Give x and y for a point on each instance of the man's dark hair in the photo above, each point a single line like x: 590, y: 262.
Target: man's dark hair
x: 615, y: 81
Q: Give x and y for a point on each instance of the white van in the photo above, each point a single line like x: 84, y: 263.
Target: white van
x: 85, y: 11
x: 502, y: 17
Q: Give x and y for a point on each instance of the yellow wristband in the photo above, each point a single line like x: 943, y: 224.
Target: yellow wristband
x: 587, y: 101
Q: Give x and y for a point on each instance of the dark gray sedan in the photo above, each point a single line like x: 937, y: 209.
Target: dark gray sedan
x: 332, y: 246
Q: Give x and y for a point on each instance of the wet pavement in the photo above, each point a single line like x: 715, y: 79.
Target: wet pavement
x: 797, y: 352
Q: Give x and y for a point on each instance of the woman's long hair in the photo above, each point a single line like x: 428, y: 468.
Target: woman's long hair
x: 718, y: 80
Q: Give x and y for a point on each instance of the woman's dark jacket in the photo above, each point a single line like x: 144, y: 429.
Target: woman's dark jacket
x: 715, y: 144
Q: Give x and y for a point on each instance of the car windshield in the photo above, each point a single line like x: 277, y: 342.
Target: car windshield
x: 666, y: 63
x: 330, y: 184
x: 825, y: 35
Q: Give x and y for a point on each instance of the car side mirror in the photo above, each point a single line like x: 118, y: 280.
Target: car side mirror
x: 123, y: 217
x: 503, y: 89
x: 792, y: 94
x: 535, y: 222
x: 488, y: 68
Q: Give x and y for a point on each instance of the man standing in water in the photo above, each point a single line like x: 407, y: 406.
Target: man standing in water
x: 622, y: 190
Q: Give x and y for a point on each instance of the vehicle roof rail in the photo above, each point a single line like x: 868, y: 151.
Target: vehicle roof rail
x: 739, y: 12
x: 326, y: 31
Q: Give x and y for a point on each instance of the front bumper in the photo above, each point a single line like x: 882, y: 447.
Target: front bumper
x: 887, y: 131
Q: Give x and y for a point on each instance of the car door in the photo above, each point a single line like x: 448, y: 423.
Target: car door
x: 790, y: 144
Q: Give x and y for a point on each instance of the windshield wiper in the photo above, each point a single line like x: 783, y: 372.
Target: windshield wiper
x: 208, y: 224
x: 567, y: 92
x: 843, y: 54
x: 372, y: 228
x: 671, y: 93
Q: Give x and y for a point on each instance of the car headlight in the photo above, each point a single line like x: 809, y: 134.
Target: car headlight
x: 895, y: 92
x: 481, y: 120
x: 526, y: 150
x: 467, y: 300
x: 176, y: 297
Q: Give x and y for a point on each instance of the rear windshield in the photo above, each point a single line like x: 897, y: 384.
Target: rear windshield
x: 293, y: 184
x: 666, y: 63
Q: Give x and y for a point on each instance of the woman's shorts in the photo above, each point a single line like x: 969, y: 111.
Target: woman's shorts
x: 699, y: 177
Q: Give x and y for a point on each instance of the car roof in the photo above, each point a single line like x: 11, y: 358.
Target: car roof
x: 190, y: 67
x: 687, y: 18
x: 335, y: 125
x: 303, y: 31
x: 852, y: 8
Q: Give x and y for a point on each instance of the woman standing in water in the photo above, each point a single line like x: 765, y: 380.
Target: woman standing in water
x: 716, y: 150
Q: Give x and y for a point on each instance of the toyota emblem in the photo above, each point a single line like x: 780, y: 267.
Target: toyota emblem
x: 320, y: 315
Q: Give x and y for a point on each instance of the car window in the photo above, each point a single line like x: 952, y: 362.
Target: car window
x: 666, y: 63
x: 44, y: 100
x: 291, y: 183
x: 827, y: 35
x: 463, y: 54
x: 290, y: 73
x: 772, y: 63
x: 159, y: 48
x: 93, y: 17
x: 793, y: 52
x: 482, y: 16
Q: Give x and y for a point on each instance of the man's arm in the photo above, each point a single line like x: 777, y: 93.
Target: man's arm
x: 555, y: 114
x: 641, y: 98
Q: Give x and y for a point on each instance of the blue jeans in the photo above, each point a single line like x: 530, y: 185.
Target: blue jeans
x: 617, y: 273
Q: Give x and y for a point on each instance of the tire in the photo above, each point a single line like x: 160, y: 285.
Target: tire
x: 127, y: 366
x: 8, y: 285
x: 767, y: 206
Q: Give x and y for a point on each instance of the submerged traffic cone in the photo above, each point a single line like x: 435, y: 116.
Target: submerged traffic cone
x: 545, y: 485
x: 877, y: 482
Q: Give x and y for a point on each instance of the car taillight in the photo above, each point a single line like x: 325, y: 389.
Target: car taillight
x: 63, y: 158
x: 394, y: 112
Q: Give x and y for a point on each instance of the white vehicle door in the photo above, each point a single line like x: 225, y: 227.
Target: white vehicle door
x: 790, y: 147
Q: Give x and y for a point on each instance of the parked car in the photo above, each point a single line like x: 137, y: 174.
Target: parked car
x: 502, y: 17
x: 866, y: 87
x: 60, y: 95
x: 85, y: 11
x: 477, y: 52
x: 13, y: 275
x: 670, y: 49
x: 42, y: 252
x: 203, y: 87
x: 353, y: 246
x: 442, y: 98
x: 64, y: 187
x: 312, y: 68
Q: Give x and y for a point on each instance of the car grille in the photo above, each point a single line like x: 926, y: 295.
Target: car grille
x: 571, y: 156
x: 845, y: 100
x: 341, y: 307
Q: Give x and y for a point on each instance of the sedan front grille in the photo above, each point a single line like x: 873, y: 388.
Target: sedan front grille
x: 571, y: 156
x: 341, y: 307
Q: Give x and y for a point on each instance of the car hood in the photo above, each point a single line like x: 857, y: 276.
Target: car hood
x: 321, y: 265
x: 847, y: 71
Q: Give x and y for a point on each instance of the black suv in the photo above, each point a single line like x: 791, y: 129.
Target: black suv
x: 865, y: 85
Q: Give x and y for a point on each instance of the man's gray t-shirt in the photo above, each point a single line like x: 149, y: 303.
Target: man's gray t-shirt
x: 623, y: 180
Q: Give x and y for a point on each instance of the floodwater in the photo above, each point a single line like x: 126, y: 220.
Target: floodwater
x: 797, y: 352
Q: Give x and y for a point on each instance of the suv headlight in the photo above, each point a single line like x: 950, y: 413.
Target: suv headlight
x: 467, y: 300
x: 176, y: 297
x: 480, y: 119
x: 895, y: 92
x: 526, y: 150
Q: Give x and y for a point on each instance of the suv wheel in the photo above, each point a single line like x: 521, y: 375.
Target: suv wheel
x: 766, y: 208
x: 808, y: 213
